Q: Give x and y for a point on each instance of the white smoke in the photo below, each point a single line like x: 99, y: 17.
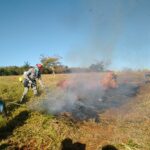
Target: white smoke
x: 84, y: 98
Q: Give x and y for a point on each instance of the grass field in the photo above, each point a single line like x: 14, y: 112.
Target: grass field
x: 125, y: 127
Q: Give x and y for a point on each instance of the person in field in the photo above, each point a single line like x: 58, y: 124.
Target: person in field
x: 109, y: 80
x: 30, y: 78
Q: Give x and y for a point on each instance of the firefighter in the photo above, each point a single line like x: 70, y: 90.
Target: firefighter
x: 29, y: 80
x: 109, y: 80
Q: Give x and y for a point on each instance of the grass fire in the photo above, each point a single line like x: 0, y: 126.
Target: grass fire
x: 107, y: 108
x: 75, y: 75
x: 85, y: 96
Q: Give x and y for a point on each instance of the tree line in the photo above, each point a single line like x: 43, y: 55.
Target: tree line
x: 52, y: 65
x: 15, y: 70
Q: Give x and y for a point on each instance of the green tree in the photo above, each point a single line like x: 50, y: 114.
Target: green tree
x: 26, y: 64
x: 52, y: 64
x: 99, y: 66
x: 50, y: 61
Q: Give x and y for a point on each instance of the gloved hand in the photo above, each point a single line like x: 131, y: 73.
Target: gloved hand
x: 30, y: 81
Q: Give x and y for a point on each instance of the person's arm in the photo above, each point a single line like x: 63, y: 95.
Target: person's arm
x: 26, y: 74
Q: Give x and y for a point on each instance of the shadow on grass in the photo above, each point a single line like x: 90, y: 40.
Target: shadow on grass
x: 109, y: 147
x: 19, y: 120
x: 67, y: 144
x: 4, y: 146
x: 10, y: 107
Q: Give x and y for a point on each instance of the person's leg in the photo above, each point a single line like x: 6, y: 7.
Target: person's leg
x: 24, y: 93
x: 26, y: 88
x: 34, y: 88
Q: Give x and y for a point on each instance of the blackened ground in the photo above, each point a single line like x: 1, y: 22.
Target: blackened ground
x: 94, y: 103
x: 86, y: 103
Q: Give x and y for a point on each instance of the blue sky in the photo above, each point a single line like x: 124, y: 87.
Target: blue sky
x: 80, y: 31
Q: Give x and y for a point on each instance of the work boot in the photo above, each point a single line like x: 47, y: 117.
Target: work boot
x: 21, y: 100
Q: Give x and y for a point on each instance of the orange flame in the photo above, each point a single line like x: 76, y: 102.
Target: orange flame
x: 109, y: 81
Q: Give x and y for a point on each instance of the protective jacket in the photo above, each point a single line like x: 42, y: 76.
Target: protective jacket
x: 32, y: 74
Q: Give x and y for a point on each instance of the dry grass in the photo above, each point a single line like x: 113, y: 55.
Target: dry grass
x: 126, y: 127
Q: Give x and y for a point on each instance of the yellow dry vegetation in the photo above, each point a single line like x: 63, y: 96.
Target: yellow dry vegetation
x: 125, y: 127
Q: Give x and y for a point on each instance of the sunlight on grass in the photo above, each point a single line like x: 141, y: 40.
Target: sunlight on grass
x: 125, y: 127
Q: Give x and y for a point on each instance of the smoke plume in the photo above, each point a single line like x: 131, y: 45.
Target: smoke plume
x: 83, y: 97
x: 100, y: 33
